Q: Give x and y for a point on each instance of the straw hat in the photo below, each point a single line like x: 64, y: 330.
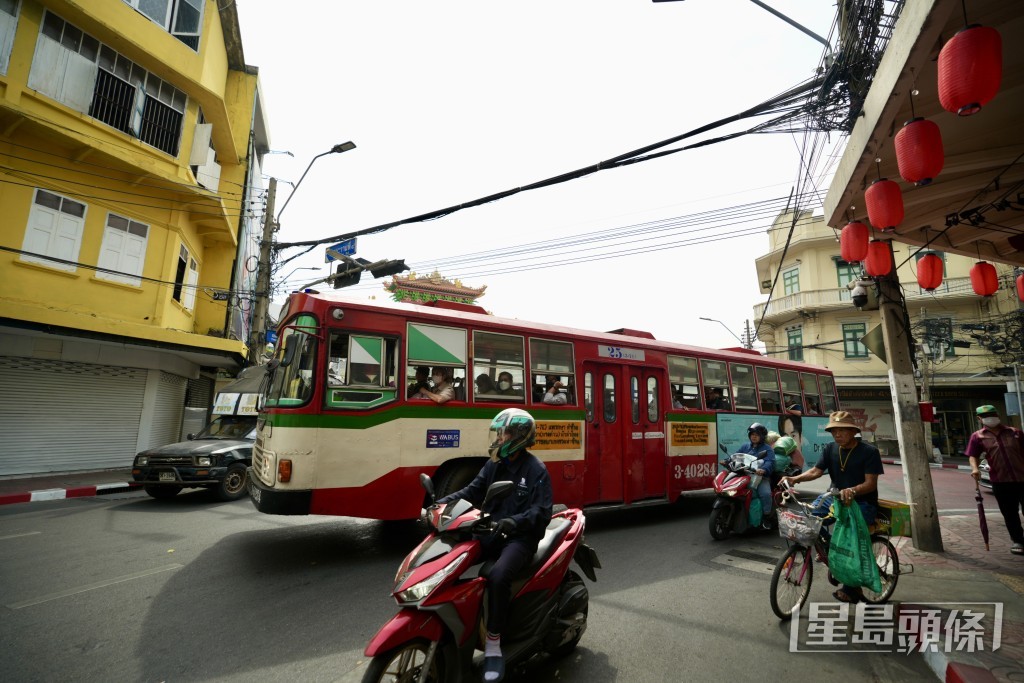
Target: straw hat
x: 841, y: 418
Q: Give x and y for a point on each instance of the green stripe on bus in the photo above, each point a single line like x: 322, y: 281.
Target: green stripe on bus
x: 670, y: 417
x: 335, y: 421
x: 423, y: 348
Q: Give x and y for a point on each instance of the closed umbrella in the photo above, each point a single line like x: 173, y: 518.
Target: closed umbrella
x: 981, y: 514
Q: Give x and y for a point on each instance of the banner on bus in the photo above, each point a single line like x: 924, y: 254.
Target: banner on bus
x: 558, y: 436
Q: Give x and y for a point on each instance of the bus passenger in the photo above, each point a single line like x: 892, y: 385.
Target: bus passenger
x: 422, y: 382
x: 505, y: 384
x: 521, y: 519
x: 443, y: 390
x: 713, y: 395
x: 553, y: 396
x: 484, y: 385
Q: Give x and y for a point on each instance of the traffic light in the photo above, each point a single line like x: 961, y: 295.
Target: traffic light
x: 389, y: 268
x: 346, y: 275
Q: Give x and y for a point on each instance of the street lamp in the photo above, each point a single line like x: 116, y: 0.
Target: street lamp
x: 337, y: 149
x: 713, y: 320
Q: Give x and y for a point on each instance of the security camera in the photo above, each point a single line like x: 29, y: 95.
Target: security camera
x: 859, y: 291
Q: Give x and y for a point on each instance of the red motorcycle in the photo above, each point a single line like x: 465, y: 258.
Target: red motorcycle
x: 440, y: 589
x: 735, y: 488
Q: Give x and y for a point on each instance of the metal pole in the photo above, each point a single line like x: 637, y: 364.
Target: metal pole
x: 1016, y: 380
x: 262, y: 296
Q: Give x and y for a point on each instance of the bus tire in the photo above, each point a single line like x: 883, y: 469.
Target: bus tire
x: 456, y: 478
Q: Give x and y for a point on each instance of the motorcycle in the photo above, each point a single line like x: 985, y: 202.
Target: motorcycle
x: 440, y: 588
x: 735, y: 488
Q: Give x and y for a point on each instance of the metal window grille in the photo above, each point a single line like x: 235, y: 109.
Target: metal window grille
x: 161, y: 126
x: 112, y: 101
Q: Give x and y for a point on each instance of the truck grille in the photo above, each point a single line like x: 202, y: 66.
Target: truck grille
x: 263, y: 463
x: 170, y: 460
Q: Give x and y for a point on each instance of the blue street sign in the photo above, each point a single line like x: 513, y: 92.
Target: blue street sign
x: 271, y: 336
x: 348, y: 247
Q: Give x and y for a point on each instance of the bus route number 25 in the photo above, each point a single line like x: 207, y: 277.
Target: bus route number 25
x: 695, y: 470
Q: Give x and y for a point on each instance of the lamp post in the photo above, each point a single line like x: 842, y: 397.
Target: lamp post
x: 270, y: 224
x: 744, y: 344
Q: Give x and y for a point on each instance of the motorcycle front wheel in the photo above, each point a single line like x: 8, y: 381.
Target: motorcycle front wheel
x: 720, y: 523
x: 404, y: 664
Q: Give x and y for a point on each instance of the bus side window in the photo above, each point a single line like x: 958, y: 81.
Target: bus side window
x: 551, y: 362
x: 337, y: 359
x: 768, y: 389
x: 588, y: 395
x: 682, y: 376
x: 716, y: 385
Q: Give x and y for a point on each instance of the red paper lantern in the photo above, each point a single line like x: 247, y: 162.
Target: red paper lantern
x: 853, y: 242
x: 919, y: 153
x: 879, y: 260
x: 970, y: 69
x: 885, y: 204
x: 929, y: 272
x: 984, y: 279
x: 1020, y: 286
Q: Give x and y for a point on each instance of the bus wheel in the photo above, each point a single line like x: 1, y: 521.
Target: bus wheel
x: 456, y: 478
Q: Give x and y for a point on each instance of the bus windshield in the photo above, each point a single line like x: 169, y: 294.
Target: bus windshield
x: 293, y: 383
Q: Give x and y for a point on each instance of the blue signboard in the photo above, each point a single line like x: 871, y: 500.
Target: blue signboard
x: 348, y: 247
x: 271, y: 336
x: 442, y: 438
x: 809, y: 432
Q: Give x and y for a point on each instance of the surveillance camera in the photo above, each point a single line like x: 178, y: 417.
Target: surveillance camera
x: 860, y: 296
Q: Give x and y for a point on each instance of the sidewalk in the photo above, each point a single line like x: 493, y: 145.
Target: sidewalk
x: 948, y: 462
x: 963, y: 572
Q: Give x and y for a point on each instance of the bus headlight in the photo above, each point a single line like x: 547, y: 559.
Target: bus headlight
x: 425, y: 587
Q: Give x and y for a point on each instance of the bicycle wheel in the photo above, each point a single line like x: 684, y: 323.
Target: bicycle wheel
x: 888, y: 570
x: 791, y: 581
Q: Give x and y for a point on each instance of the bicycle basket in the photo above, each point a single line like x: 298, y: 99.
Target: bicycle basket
x: 798, y: 528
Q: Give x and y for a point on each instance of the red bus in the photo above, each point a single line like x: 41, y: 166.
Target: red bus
x: 637, y: 420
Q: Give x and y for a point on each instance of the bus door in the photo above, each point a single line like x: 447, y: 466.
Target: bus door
x: 604, y: 461
x: 645, y: 443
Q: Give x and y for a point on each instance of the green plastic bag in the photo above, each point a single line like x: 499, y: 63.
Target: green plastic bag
x: 850, y: 557
x: 754, y: 513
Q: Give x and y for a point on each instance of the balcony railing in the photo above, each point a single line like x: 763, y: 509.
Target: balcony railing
x: 819, y: 299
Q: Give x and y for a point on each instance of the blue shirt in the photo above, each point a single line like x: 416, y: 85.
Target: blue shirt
x: 760, y: 451
x: 529, y: 505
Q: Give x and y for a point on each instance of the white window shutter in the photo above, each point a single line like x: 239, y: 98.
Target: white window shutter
x: 208, y: 175
x: 79, y: 83
x: 48, y: 65
x: 110, y: 253
x: 201, y: 144
x: 188, y: 296
x: 8, y: 25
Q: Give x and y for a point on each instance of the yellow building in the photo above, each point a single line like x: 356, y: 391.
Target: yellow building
x: 811, y: 317
x: 130, y: 139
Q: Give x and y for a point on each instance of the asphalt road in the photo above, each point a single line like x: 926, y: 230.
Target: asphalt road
x: 126, y: 588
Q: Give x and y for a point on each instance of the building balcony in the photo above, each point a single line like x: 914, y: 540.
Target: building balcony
x: 839, y: 298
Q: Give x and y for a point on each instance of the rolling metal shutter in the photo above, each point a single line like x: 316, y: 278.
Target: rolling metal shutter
x: 58, y: 416
x: 165, y: 423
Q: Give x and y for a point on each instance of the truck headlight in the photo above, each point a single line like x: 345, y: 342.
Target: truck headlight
x: 425, y: 587
x: 204, y: 461
x: 142, y: 460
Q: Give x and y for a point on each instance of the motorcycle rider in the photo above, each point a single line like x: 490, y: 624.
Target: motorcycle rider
x: 522, y: 519
x: 756, y: 446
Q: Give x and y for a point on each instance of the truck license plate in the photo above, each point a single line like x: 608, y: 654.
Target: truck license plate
x: 167, y: 476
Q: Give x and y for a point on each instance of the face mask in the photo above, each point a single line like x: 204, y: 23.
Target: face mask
x: 990, y: 421
x: 504, y: 386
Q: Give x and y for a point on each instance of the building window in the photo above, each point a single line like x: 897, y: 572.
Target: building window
x: 791, y: 281
x: 8, y: 27
x: 185, y: 279
x: 77, y: 70
x: 852, y: 334
x: 795, y: 343
x: 54, y: 229
x: 123, y: 250
x: 846, y: 272
x: 182, y: 18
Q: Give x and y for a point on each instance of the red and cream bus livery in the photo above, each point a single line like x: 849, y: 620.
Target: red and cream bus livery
x: 622, y: 418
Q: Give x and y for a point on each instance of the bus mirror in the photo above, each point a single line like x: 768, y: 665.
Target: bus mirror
x: 498, y: 489
x: 289, y: 351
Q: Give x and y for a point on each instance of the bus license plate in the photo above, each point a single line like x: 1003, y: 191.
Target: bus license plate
x: 167, y: 476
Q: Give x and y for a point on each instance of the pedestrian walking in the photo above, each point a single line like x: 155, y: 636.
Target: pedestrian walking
x: 1003, y: 447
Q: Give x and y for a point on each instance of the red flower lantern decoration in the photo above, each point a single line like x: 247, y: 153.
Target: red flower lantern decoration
x: 929, y: 272
x: 853, y: 242
x: 919, y: 154
x: 970, y: 69
x: 885, y: 204
x: 984, y: 279
x: 1020, y: 286
x: 879, y: 260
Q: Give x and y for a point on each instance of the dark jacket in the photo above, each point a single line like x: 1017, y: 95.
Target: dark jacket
x: 529, y: 505
x: 761, y: 451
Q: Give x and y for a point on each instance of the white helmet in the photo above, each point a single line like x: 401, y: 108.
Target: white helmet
x: 520, y: 427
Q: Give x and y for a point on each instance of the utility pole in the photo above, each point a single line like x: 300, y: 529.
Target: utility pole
x: 917, y: 478
x: 259, y: 318
x: 925, y: 362
x: 748, y: 336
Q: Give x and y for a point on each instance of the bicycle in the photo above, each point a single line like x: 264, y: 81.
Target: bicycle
x: 794, y: 572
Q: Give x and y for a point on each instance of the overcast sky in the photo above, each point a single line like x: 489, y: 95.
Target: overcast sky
x: 452, y: 100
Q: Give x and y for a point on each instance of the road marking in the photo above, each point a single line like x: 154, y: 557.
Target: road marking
x: 92, y: 586
x: 751, y: 558
x: 27, y: 533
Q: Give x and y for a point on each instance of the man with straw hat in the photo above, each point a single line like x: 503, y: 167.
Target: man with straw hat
x: 854, y: 467
x: 1003, y: 447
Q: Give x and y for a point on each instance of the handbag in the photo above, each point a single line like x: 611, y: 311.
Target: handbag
x: 754, y: 514
x: 850, y: 558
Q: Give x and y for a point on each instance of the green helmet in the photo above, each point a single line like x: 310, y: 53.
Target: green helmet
x: 785, y: 446
x: 520, y: 428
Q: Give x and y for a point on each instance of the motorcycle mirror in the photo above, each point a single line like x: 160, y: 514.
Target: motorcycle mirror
x: 427, y: 484
x: 498, y: 489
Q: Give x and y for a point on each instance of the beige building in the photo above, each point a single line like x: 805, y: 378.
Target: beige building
x: 810, y: 316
